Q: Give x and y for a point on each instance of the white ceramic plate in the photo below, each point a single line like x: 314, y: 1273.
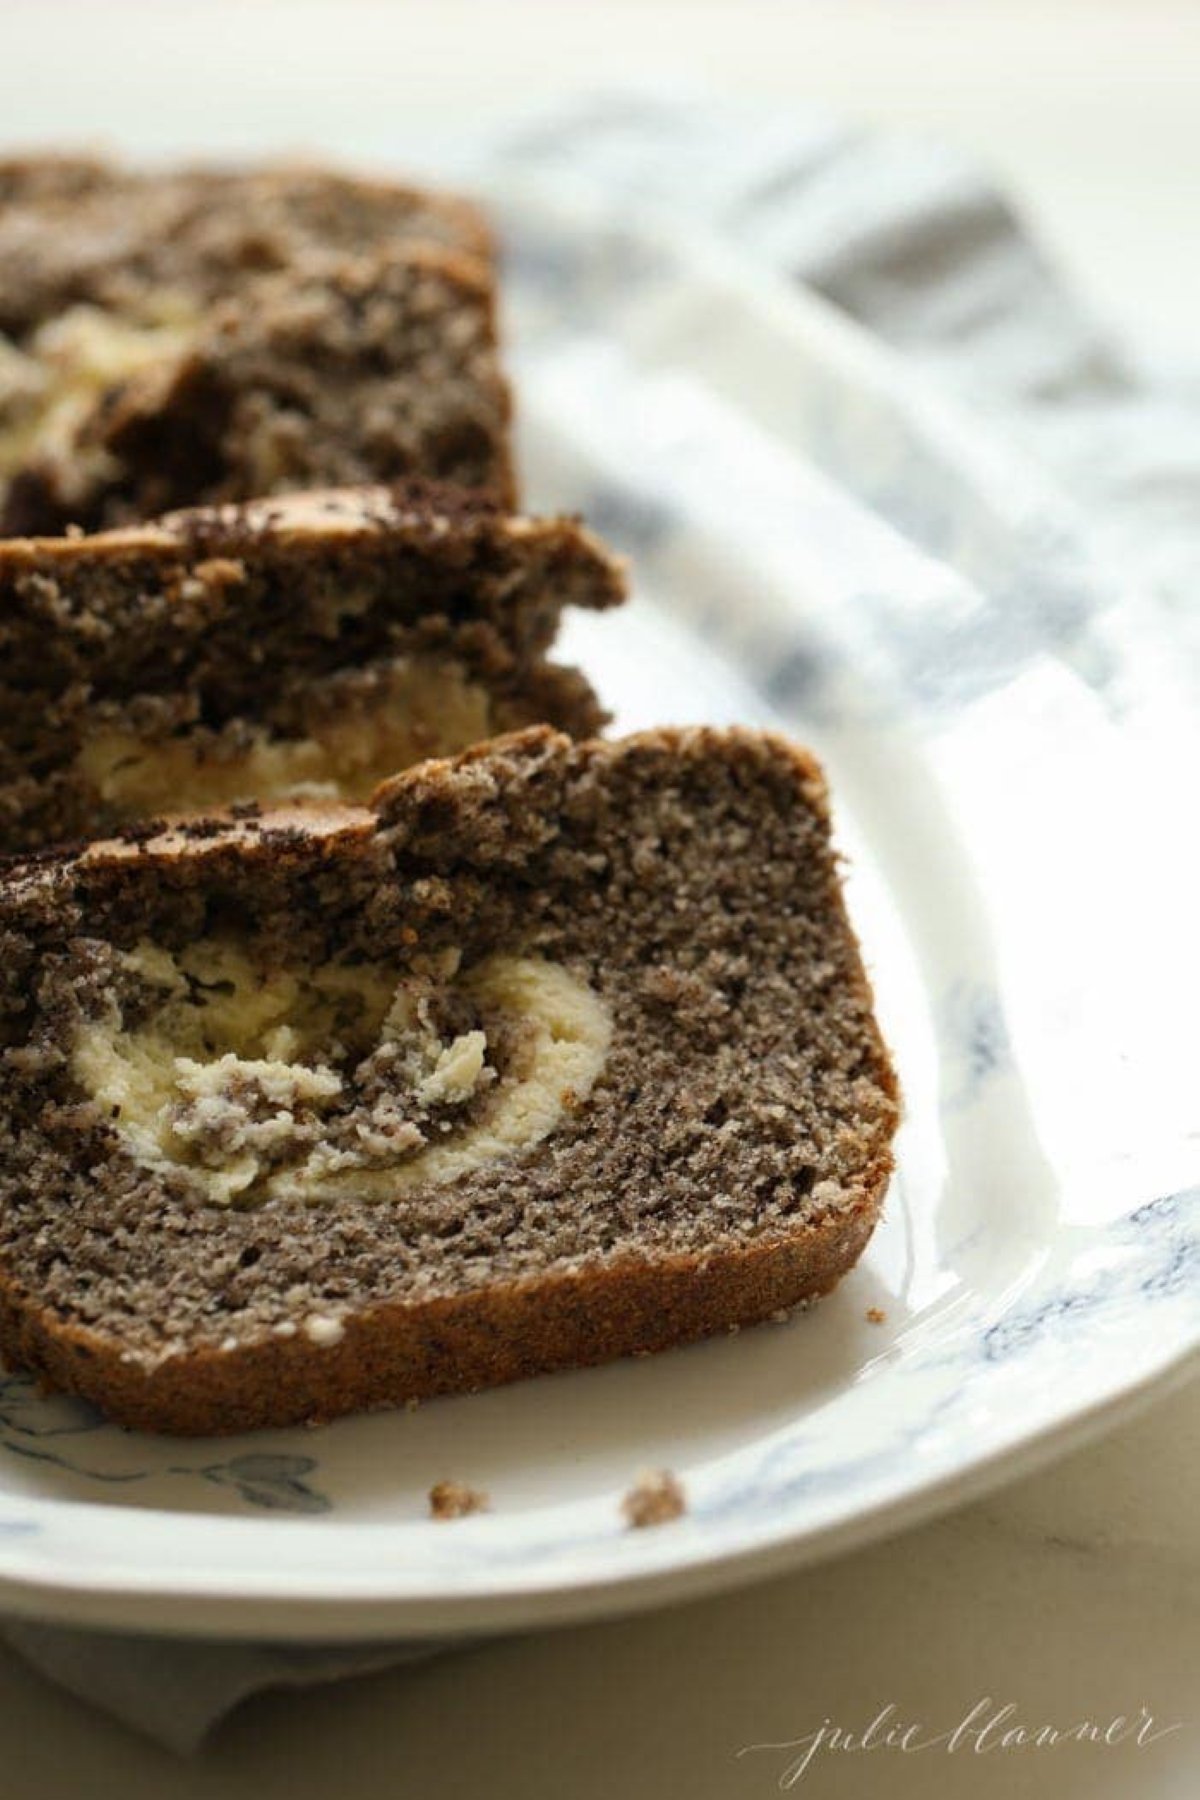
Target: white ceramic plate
x: 816, y: 548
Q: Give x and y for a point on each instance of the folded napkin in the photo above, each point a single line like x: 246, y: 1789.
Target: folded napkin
x: 175, y: 1690
x: 919, y: 247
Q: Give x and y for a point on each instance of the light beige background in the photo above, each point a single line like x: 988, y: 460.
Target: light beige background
x: 1075, y: 1594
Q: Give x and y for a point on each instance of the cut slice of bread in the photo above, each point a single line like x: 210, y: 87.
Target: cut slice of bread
x: 305, y: 647
x: 560, y: 1052
x: 189, y: 338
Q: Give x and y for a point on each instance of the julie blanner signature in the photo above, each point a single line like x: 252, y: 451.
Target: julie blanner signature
x: 989, y: 1727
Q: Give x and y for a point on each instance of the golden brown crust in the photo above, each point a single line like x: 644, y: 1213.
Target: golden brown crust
x: 445, y: 1346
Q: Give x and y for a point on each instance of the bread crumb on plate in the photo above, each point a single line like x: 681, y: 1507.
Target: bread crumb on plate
x: 655, y: 1498
x: 455, y: 1500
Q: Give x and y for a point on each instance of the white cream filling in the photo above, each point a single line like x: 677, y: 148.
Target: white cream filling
x: 234, y: 1069
x: 571, y: 1033
x: 50, y: 386
x: 419, y: 707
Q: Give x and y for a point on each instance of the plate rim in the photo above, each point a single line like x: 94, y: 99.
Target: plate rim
x: 339, y: 1618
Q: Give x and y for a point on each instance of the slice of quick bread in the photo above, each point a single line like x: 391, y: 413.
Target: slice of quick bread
x: 193, y: 337
x: 296, y: 649
x: 561, y: 1051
